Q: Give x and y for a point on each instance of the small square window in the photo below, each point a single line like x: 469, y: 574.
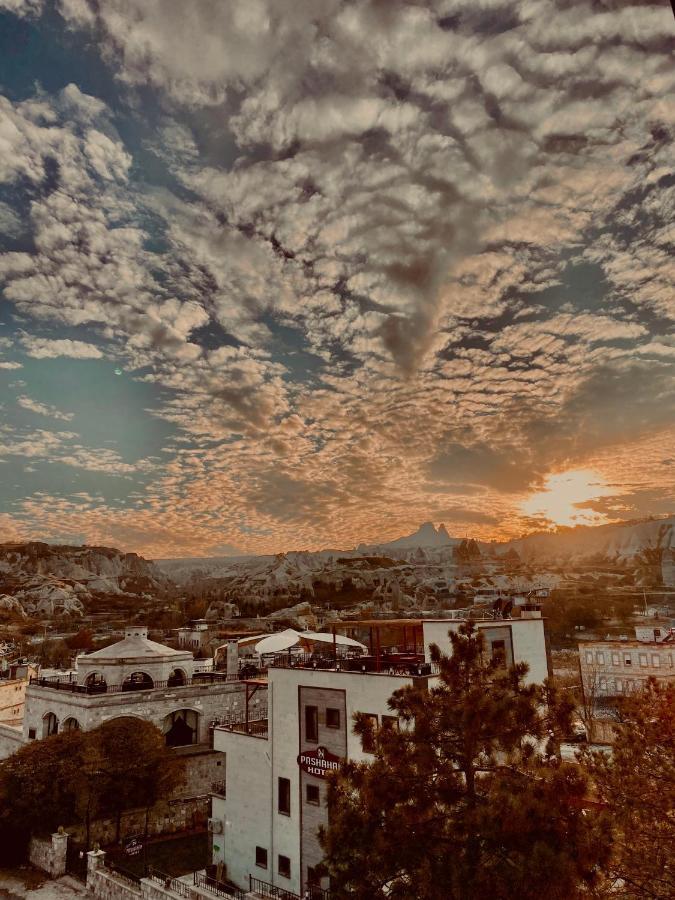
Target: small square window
x: 261, y: 857
x: 313, y: 794
x: 332, y: 718
x: 31, y: 734
x: 628, y: 660
x: 284, y: 866
x: 390, y: 722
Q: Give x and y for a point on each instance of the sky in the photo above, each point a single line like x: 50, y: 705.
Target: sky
x: 284, y: 274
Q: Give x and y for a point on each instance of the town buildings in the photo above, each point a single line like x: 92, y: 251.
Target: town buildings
x: 264, y: 820
x: 612, y: 669
x: 140, y: 678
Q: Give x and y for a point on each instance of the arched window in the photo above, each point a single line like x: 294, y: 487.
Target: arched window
x: 137, y: 681
x: 96, y: 683
x: 181, y: 728
x: 50, y: 725
x: 71, y: 724
x: 177, y: 678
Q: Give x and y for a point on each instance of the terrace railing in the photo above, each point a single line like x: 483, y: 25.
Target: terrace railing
x: 72, y: 686
x: 208, y: 881
x: 171, y: 884
x: 270, y: 890
x: 384, y: 663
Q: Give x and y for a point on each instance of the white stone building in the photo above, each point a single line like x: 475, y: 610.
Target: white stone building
x: 264, y: 822
x: 133, y: 677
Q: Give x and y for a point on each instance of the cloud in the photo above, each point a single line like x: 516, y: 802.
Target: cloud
x: 43, y: 409
x: 44, y: 348
x: 10, y: 366
x: 400, y: 251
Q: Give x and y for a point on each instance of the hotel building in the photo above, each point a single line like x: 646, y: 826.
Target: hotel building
x: 264, y: 820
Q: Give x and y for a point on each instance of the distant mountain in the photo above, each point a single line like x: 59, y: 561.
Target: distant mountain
x: 623, y: 540
x: 46, y: 580
x: 425, y: 536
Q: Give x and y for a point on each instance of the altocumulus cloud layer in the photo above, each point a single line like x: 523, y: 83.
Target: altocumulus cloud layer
x: 365, y: 262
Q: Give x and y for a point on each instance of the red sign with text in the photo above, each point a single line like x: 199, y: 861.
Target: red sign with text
x: 319, y: 762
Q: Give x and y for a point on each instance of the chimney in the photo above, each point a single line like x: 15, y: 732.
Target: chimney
x: 232, y: 658
x: 140, y: 631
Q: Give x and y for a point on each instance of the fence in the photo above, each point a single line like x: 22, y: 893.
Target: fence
x: 220, y: 888
x: 270, y: 890
x: 172, y: 884
x: 70, y: 685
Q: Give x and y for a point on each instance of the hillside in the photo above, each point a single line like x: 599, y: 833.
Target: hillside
x: 45, y: 580
x: 623, y: 541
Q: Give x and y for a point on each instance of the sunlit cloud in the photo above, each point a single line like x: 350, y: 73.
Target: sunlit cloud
x: 561, y: 499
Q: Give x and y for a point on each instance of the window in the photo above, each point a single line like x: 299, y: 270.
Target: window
x: 313, y: 795
x: 619, y: 686
x: 390, y: 722
x: 615, y: 659
x: 261, y: 857
x: 313, y: 879
x: 643, y: 659
x: 499, y: 652
x: 656, y: 660
x: 31, y: 734
x: 589, y: 658
x: 600, y: 657
x: 285, y: 796
x: 284, y: 866
x: 312, y: 723
x: 602, y: 685
x: 627, y: 660
x: 332, y: 718
x: 368, y: 740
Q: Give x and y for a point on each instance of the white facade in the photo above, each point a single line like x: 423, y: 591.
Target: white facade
x: 252, y: 833
x: 134, y: 677
x: 524, y: 640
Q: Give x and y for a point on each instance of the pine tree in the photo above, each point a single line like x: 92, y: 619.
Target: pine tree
x: 636, y: 784
x: 465, y: 799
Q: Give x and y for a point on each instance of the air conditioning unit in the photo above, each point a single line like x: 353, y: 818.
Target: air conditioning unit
x: 215, y: 826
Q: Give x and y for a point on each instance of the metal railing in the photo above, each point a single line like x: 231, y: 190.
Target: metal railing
x: 210, y: 883
x: 410, y: 664
x: 256, y: 727
x: 125, y: 874
x: 71, y: 685
x: 270, y: 890
x: 171, y: 884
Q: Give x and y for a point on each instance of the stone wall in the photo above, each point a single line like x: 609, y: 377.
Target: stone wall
x: 224, y: 700
x: 49, y: 854
x: 11, y: 739
x: 106, y: 884
x: 165, y: 818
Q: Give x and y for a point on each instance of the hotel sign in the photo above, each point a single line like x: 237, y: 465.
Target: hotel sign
x: 319, y: 762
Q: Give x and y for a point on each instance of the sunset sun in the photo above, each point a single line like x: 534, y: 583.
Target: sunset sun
x: 564, y: 492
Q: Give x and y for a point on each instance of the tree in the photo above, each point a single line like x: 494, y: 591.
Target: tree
x: 636, y: 784
x: 466, y: 799
x: 137, y: 766
x: 77, y: 777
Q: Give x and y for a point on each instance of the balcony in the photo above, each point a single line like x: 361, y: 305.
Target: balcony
x: 72, y: 686
x: 384, y: 663
x: 218, y: 788
x: 258, y: 728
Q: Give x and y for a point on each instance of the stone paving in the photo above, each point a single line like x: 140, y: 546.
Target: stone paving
x: 26, y: 883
